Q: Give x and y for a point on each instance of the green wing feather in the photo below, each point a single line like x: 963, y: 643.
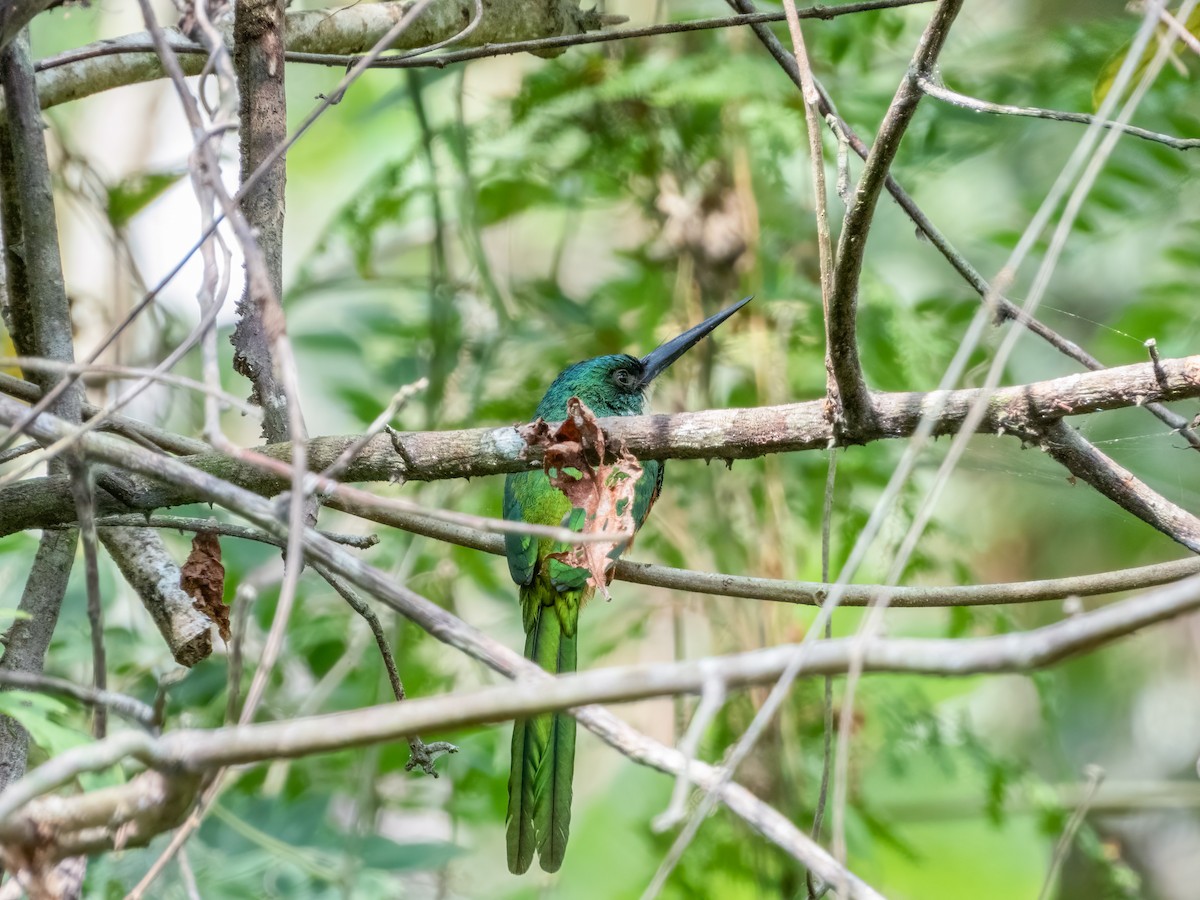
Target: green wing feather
x: 521, y: 549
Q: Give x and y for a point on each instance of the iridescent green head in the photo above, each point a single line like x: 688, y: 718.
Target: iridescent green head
x: 615, y: 385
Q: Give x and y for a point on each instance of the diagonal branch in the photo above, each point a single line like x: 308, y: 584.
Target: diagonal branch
x: 851, y: 251
x: 198, y: 750
x: 1005, y: 309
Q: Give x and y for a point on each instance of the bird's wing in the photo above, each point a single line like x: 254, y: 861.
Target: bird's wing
x: 647, y: 489
x: 521, y: 549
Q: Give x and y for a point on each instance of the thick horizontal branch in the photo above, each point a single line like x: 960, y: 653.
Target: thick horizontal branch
x: 351, y: 29
x: 196, y: 751
x: 712, y: 434
x: 130, y: 60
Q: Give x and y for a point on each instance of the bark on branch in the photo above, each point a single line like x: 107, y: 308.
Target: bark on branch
x: 840, y: 327
x: 435, y: 620
x: 195, y: 751
x: 1023, y: 411
x: 352, y: 29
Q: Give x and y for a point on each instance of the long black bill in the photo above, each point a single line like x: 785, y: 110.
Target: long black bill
x: 656, y: 361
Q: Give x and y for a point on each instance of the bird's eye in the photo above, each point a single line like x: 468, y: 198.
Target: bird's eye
x: 624, y: 379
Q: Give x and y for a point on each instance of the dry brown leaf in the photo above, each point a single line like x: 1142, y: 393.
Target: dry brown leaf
x: 202, y: 577
x: 603, y: 490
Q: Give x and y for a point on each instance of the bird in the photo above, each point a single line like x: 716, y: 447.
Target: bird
x: 543, y: 746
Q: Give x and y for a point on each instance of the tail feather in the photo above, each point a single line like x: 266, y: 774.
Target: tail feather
x: 543, y: 760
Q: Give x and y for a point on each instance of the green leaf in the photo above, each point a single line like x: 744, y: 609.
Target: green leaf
x: 130, y: 196
x: 36, y: 712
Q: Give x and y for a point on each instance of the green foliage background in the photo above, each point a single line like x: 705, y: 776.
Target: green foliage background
x: 489, y: 224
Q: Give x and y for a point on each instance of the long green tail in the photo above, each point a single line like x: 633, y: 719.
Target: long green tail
x: 543, y: 760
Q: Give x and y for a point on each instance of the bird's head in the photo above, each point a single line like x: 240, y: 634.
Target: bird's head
x: 615, y: 385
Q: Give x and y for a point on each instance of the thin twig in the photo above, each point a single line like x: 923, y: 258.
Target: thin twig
x: 335, y: 469
x: 1095, y: 777
x: 226, y: 529
x: 116, y: 424
x: 943, y: 93
x: 81, y: 487
x: 37, y: 364
x: 122, y: 704
x: 815, y: 890
x: 816, y: 152
x: 421, y: 755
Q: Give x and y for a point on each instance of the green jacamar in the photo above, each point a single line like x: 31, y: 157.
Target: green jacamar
x: 543, y: 747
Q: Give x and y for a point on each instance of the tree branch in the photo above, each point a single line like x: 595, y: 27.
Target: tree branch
x: 38, y: 317
x: 258, y: 41
x: 841, y: 333
x: 1005, y: 309
x: 128, y: 707
x: 1114, y: 481
x: 711, y: 434
x: 746, y: 587
x: 352, y: 29
x: 435, y: 620
x: 195, y: 751
x: 154, y: 576
x: 16, y: 14
x: 939, y: 91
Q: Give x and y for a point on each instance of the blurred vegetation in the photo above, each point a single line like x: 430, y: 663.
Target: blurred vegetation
x: 489, y: 224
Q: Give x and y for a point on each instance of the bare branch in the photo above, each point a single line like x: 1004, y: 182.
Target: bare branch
x: 154, y: 575
x: 29, y: 636
x: 852, y: 243
x: 128, y: 707
x: 324, y: 39
x: 258, y: 41
x: 432, y: 618
x: 940, y: 92
x: 1005, y: 309
x: 85, y: 505
x: 816, y: 153
x: 196, y: 750
x: 421, y: 755
x: 711, y: 434
x: 1114, y: 481
x: 228, y: 529
x: 38, y: 317
x: 118, y: 424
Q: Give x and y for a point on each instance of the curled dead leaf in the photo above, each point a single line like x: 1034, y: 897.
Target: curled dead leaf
x: 202, y: 577
x: 574, y: 461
